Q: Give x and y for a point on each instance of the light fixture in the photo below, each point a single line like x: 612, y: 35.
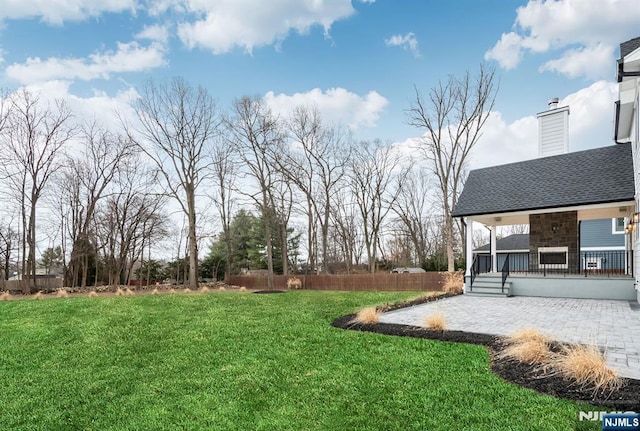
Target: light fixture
x: 636, y: 218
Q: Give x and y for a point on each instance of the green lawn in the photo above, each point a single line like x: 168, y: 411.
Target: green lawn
x: 234, y: 361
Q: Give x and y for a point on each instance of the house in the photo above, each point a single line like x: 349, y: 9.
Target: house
x: 562, y: 196
x: 626, y: 131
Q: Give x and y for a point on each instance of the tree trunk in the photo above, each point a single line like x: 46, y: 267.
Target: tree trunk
x: 193, y: 241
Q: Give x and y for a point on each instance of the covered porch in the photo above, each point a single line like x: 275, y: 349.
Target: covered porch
x: 556, y: 264
x: 553, y: 196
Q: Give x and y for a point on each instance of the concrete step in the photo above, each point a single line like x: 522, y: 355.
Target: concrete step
x: 492, y: 284
x: 487, y: 295
x: 490, y: 289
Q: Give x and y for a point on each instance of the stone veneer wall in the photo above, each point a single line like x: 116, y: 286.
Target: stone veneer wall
x: 554, y: 230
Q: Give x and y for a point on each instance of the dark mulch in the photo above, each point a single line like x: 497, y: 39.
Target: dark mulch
x: 627, y: 398
x: 269, y: 291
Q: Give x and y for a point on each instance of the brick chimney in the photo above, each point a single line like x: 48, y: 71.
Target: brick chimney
x: 553, y: 130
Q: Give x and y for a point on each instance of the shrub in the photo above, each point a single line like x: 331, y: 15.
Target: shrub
x: 435, y: 322
x: 38, y: 295
x: 62, y: 293
x: 5, y: 296
x: 93, y: 294
x: 367, y: 316
x: 294, y: 283
x: 586, y: 366
x: 453, y: 282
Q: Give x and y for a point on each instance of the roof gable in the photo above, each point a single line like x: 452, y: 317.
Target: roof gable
x: 629, y: 46
x: 601, y: 175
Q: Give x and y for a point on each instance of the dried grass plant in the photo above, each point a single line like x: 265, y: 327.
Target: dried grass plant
x: 294, y: 283
x: 453, y: 282
x: 38, y: 295
x: 367, y: 316
x: 6, y: 296
x: 587, y: 367
x: 93, y: 294
x: 435, y: 322
x: 61, y: 293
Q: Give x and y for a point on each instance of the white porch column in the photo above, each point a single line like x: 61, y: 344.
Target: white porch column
x: 469, y: 246
x: 494, y: 255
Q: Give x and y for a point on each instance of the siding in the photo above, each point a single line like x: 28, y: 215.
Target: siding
x: 597, y: 233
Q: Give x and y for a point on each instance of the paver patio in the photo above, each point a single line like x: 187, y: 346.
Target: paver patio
x: 613, y: 325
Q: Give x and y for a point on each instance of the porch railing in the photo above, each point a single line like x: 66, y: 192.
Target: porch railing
x: 612, y: 263
x: 475, y: 269
x: 505, y: 271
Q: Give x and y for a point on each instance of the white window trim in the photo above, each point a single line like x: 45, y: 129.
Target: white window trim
x: 613, y: 226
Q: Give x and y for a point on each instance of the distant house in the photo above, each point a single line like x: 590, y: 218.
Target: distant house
x: 516, y: 246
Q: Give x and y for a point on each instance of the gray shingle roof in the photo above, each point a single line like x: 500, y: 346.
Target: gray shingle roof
x: 629, y: 46
x: 517, y: 241
x: 601, y: 175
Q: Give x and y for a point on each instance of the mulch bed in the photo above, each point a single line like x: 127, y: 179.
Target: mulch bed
x: 269, y: 291
x: 627, y: 398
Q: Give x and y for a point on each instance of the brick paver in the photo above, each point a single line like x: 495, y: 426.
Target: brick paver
x: 613, y: 325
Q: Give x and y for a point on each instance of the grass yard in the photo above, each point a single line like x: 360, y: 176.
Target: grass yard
x: 229, y: 361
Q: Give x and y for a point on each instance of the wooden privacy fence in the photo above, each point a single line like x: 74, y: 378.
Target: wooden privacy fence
x: 427, y: 281
x: 46, y: 284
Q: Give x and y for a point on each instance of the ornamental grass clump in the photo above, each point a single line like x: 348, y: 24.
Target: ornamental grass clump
x: 242, y: 289
x: 367, y: 316
x: 435, y: 322
x: 204, y: 289
x: 5, y: 296
x: 453, y: 282
x: 128, y: 292
x: 93, y: 294
x: 155, y: 291
x: 587, y: 367
x: 38, y: 295
x: 62, y: 293
x: 119, y: 292
x: 222, y: 288
x: 294, y: 283
x: 527, y: 346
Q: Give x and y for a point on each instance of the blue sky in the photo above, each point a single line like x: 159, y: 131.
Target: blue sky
x: 357, y: 60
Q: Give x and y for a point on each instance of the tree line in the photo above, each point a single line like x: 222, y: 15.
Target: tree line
x: 273, y: 188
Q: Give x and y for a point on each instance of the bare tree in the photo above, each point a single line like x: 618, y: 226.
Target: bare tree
x: 452, y: 117
x: 33, y: 139
x: 254, y: 132
x: 373, y: 170
x: 87, y: 177
x: 179, y: 124
x: 346, y: 227
x: 315, y: 163
x: 225, y: 176
x: 413, y: 209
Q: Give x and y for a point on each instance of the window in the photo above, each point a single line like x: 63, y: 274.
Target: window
x: 618, y: 225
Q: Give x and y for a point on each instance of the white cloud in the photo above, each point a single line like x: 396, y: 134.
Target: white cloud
x: 337, y: 106
x: 594, y: 27
x: 130, y: 57
x: 58, y: 11
x: 593, y: 62
x: 223, y: 25
x: 156, y: 33
x: 590, y: 126
x: 407, y: 42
